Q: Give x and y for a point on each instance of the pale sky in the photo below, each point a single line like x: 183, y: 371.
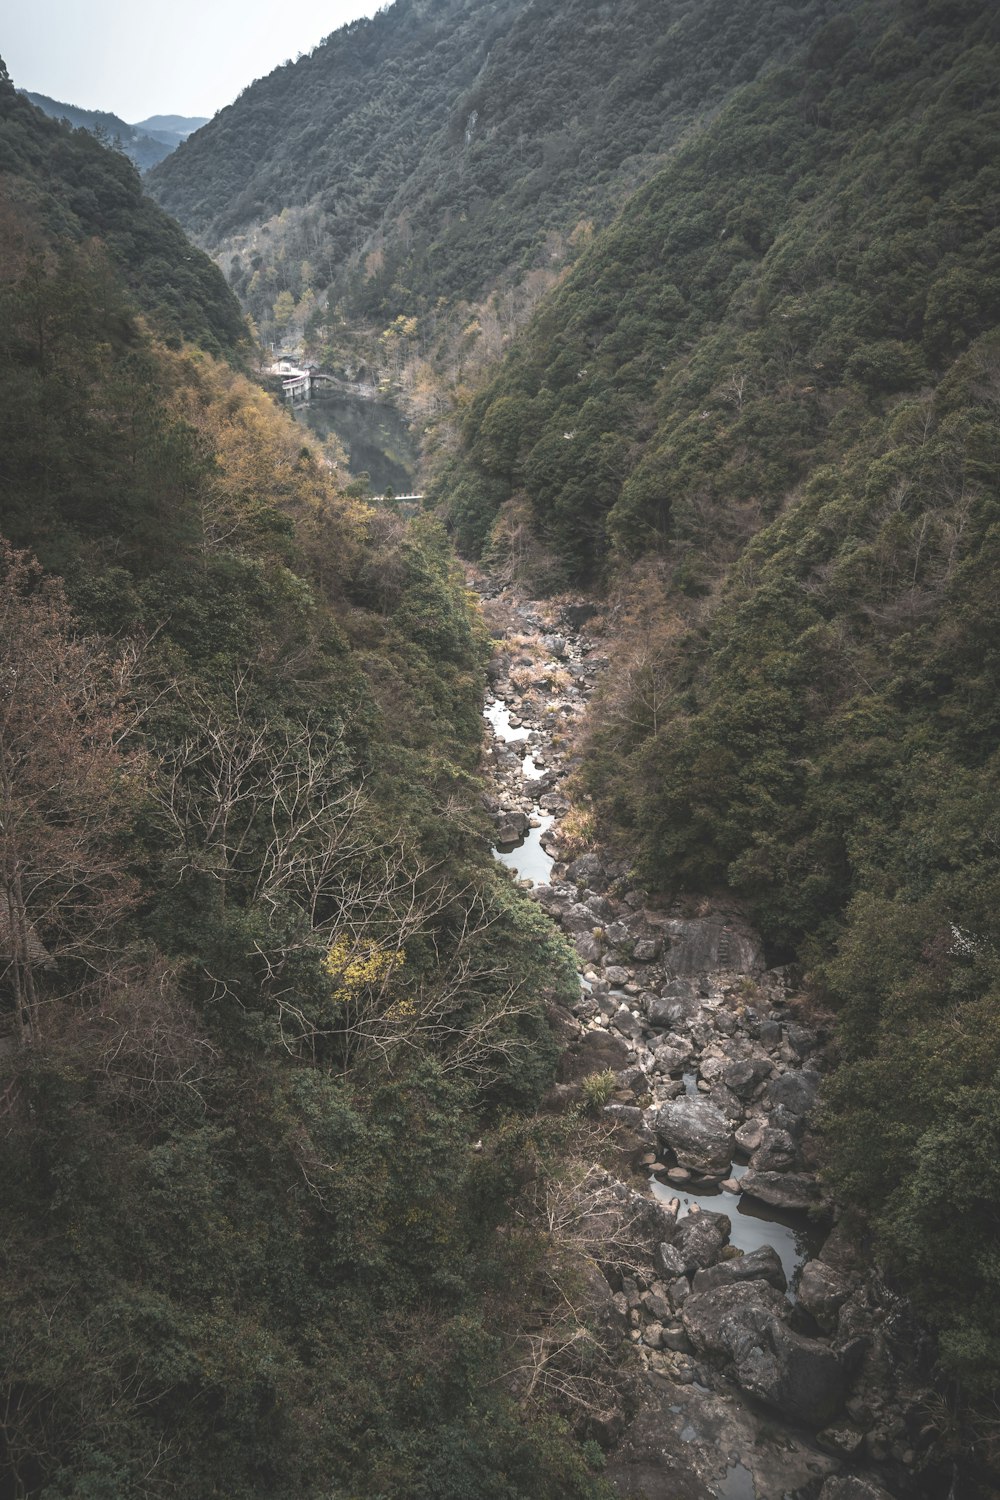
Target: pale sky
x: 138, y: 58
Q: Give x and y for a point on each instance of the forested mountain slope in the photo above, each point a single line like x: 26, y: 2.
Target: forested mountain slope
x: 433, y: 150
x: 74, y: 188
x: 765, y: 405
x: 262, y: 986
x: 825, y: 245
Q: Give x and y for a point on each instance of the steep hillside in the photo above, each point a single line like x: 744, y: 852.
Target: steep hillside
x: 446, y: 145
x: 262, y: 985
x: 764, y: 405
x: 72, y: 187
x: 824, y: 246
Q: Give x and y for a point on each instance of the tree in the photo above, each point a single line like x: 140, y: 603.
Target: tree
x: 64, y: 788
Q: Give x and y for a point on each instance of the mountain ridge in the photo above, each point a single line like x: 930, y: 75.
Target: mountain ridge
x: 145, y: 143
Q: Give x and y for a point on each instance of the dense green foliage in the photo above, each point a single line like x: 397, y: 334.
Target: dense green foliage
x: 249, y: 1243
x: 772, y: 389
x: 823, y: 246
x: 417, y: 157
x: 73, y: 187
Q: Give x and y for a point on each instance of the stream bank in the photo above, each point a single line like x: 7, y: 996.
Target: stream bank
x: 773, y: 1362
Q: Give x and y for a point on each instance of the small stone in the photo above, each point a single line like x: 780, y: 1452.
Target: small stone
x: 842, y: 1440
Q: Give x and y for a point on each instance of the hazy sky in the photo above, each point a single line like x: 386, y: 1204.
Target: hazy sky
x: 138, y: 58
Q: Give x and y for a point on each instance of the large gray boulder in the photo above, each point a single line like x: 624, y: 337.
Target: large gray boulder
x: 713, y: 1319
x: 700, y: 945
x: 777, y: 1152
x: 763, y: 1264
x: 791, y: 1190
x: 801, y: 1379
x: 511, y: 827
x: 698, y: 1134
x: 823, y: 1290
x: 667, y: 1059
x: 743, y: 1077
x: 699, y: 1239
x: 673, y: 1010
x: 588, y: 870
x: 796, y: 1091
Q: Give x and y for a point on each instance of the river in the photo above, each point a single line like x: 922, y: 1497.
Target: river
x: 376, y: 437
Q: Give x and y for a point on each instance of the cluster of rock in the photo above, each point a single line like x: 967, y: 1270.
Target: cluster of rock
x: 712, y: 1074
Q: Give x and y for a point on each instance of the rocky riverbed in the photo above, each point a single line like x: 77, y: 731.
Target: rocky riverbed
x: 772, y: 1359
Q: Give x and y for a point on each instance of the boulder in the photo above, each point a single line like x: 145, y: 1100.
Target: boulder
x: 750, y: 1134
x: 796, y: 1091
x: 743, y: 1077
x: 678, y: 1292
x: 767, y: 1032
x: 801, y: 1040
x: 645, y: 950
x: 657, y: 1306
x: 672, y: 1010
x: 700, y: 945
x: 698, y: 1134
x: 632, y: 1118
x: 588, y: 948
x: 823, y: 1290
x: 669, y: 1261
x: 595, y: 1052
x: 791, y: 1190
x: 763, y: 1264
x: 780, y: 1118
x: 712, y: 1320
x: 511, y: 828
x: 726, y: 1103
x: 588, y: 870
x: 624, y: 1021
x: 699, y: 1239
x: 776, y: 1152
x: 801, y: 1378
x: 670, y: 1059
x: 600, y: 908
x: 578, y: 918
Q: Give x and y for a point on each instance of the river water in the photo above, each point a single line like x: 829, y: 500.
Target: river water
x: 376, y: 437
x: 753, y: 1223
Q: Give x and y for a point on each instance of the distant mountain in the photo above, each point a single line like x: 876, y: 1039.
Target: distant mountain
x: 146, y: 144
x: 179, y: 125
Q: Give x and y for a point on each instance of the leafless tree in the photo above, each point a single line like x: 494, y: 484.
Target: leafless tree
x: 65, y: 786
